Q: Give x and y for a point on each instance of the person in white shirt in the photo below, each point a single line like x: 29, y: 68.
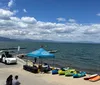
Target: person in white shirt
x: 16, y: 81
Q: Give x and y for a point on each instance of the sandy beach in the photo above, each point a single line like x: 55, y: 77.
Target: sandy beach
x: 28, y: 78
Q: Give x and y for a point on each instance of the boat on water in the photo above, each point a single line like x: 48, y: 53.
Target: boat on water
x: 52, y: 51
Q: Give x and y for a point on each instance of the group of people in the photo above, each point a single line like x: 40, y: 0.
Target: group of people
x: 41, y: 68
x: 11, y: 81
x: 44, y: 68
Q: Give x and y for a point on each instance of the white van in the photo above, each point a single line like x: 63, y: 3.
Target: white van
x: 7, y: 58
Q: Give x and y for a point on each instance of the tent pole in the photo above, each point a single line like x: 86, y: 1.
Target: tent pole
x: 53, y: 62
x: 41, y: 60
x: 26, y: 60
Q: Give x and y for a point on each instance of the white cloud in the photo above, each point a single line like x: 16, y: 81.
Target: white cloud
x: 61, y: 19
x: 94, y: 29
x: 67, y: 28
x: 98, y: 14
x: 28, y: 27
x: 29, y: 19
x: 24, y: 10
x: 15, y: 11
x: 72, y: 20
x: 16, y: 19
x: 46, y: 25
x: 10, y: 3
x: 22, y: 25
x: 5, y: 14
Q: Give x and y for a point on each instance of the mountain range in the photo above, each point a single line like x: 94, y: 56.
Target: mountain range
x: 6, y: 39
x: 9, y: 39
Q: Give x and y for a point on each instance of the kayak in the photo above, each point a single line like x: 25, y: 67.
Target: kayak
x: 96, y: 78
x: 60, y: 72
x: 90, y: 77
x: 78, y: 75
x: 70, y: 72
x: 55, y: 71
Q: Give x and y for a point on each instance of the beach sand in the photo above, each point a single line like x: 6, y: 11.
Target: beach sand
x: 28, y: 78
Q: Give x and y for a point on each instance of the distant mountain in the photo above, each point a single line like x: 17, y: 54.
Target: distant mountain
x: 31, y: 40
x: 86, y: 42
x: 6, y: 39
x: 34, y: 40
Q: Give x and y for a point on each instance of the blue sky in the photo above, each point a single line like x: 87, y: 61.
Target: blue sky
x: 84, y: 11
x: 59, y: 20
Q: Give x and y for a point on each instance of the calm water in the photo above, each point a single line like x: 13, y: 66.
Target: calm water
x: 85, y: 57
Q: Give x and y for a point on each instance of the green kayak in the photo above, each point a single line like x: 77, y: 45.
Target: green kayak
x: 60, y: 72
x: 70, y: 72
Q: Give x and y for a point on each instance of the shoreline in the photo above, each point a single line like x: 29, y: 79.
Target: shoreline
x: 88, y: 71
x: 76, y: 55
x: 26, y: 77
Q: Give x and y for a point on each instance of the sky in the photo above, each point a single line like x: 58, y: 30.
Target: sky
x: 57, y: 20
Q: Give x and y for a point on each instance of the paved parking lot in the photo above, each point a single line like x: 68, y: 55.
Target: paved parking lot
x: 2, y: 65
x: 5, y: 70
x: 19, y: 63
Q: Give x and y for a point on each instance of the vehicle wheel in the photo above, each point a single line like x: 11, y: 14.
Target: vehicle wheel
x: 5, y: 62
x: 15, y: 63
x: 0, y: 60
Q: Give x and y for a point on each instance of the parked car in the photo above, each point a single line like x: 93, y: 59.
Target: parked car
x: 7, y: 57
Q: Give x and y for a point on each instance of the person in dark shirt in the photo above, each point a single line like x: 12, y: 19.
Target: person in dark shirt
x: 9, y: 80
x: 35, y: 60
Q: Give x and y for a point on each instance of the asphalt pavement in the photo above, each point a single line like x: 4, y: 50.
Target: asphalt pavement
x: 19, y: 63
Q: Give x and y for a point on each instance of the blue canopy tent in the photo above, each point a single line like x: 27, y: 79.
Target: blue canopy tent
x: 40, y: 53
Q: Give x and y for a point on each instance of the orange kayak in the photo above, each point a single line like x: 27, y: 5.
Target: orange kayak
x: 90, y: 77
x: 96, y: 78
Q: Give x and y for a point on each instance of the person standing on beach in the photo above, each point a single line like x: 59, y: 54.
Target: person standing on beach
x: 35, y: 59
x: 16, y: 81
x: 9, y: 80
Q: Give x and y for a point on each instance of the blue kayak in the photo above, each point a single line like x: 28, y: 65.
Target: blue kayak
x: 80, y: 74
x: 55, y: 71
